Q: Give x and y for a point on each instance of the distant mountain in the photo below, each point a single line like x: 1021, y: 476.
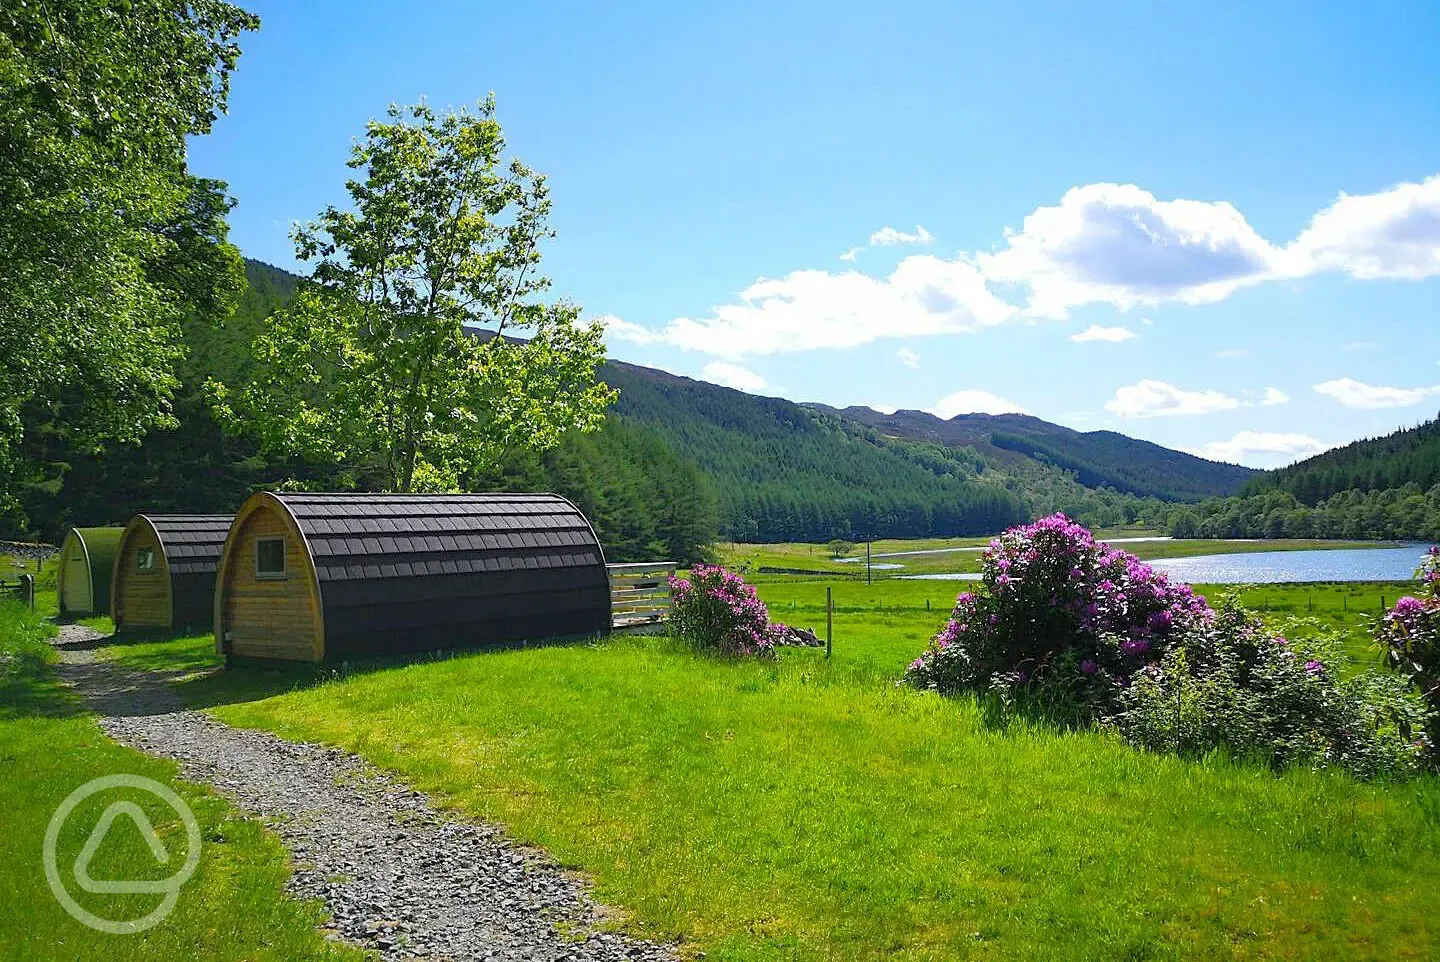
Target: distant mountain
x: 784, y: 471
x: 1097, y: 458
x: 1409, y: 456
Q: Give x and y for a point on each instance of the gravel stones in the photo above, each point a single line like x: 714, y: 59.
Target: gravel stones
x: 396, y: 876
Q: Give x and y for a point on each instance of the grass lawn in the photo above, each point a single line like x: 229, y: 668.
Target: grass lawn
x: 234, y: 906
x: 805, y: 810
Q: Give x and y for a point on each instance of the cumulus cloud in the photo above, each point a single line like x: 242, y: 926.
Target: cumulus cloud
x: 973, y: 402
x: 805, y: 310
x: 1114, y: 244
x: 1273, y: 395
x: 1262, y: 449
x: 1391, y: 234
x: 732, y: 375
x: 1097, y: 333
x: 1357, y: 394
x: 908, y: 358
x: 889, y: 236
x: 1151, y: 399
x: 1120, y: 245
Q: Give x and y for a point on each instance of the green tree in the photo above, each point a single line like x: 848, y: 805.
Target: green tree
x: 97, y: 99
x: 839, y: 548
x: 419, y: 344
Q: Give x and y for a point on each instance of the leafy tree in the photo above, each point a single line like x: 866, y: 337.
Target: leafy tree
x: 374, y: 361
x: 839, y: 548
x: 100, y: 256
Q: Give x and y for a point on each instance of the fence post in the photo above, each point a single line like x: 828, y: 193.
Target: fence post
x: 27, y: 590
x: 867, y: 562
x: 829, y: 619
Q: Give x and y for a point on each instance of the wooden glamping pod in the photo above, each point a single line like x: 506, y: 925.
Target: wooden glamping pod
x: 87, y: 562
x: 165, y: 571
x: 325, y: 577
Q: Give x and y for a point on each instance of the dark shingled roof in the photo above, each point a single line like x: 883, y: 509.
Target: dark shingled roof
x: 193, y: 543
x: 421, y: 571
x: 364, y: 536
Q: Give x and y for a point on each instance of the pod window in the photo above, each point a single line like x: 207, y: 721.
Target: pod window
x: 269, y: 557
x: 144, y: 559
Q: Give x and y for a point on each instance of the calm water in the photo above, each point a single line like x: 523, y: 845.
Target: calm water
x: 1271, y: 567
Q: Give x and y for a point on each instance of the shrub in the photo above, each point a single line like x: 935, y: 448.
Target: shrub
x: 1059, y: 614
x: 1231, y: 684
x: 1409, y: 633
x: 716, y: 610
x: 1092, y: 635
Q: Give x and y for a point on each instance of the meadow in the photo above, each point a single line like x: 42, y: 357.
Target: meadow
x: 233, y: 908
x: 810, y: 808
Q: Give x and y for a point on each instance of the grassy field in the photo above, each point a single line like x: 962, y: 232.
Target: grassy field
x: 804, y: 810
x: 813, y: 810
x: 234, y: 906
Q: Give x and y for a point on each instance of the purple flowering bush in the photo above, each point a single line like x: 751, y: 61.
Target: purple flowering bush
x: 1059, y: 615
x: 715, y: 610
x: 1090, y: 634
x: 1409, y: 633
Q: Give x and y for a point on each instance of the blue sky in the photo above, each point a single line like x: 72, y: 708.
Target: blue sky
x: 1119, y: 216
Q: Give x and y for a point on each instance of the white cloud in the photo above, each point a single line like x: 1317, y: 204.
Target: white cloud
x: 1273, y: 396
x: 887, y: 236
x: 1097, y: 333
x: 1262, y: 449
x: 617, y: 328
x: 1149, y: 398
x: 732, y: 375
x: 973, y: 402
x: 1230, y: 354
x: 1117, y: 244
x: 1356, y: 394
x: 806, y: 310
x: 1391, y: 234
x: 908, y: 358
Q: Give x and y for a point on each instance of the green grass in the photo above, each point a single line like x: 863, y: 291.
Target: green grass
x: 805, y: 810
x: 233, y: 908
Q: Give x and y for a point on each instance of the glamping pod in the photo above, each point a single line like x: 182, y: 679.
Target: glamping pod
x: 165, y: 571
x: 325, y: 577
x: 87, y: 561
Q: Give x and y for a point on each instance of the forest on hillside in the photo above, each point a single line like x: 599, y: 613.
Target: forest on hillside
x: 1387, y: 487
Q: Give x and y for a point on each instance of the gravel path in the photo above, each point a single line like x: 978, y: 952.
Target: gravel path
x: 396, y: 875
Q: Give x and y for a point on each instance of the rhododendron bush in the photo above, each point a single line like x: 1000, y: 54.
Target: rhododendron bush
x: 1410, y: 631
x: 1058, y: 611
x: 715, y: 609
x: 1093, y: 635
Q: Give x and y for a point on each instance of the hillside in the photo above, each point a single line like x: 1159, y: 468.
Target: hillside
x: 1409, y: 456
x: 762, y: 469
x: 1097, y: 458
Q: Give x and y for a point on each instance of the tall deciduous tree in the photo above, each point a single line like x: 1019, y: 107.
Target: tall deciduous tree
x: 420, y: 345
x: 100, y: 224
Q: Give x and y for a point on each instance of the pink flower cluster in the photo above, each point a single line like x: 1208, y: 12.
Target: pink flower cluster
x: 1056, y: 600
x: 715, y: 609
x: 1410, y: 631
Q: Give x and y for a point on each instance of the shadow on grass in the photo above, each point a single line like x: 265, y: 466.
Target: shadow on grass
x: 212, y: 684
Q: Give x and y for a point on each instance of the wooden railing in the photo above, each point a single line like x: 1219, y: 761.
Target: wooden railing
x: 639, y: 593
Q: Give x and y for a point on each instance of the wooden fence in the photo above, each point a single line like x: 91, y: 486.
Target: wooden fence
x: 639, y: 593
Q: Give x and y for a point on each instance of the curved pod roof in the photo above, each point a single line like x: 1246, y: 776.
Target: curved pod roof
x: 394, y: 573
x: 180, y: 589
x: 87, y: 560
